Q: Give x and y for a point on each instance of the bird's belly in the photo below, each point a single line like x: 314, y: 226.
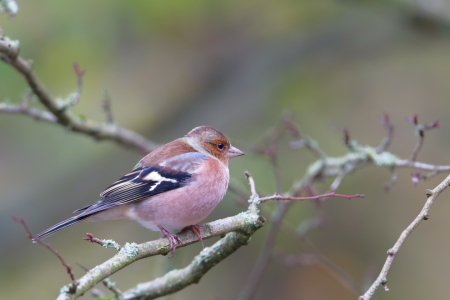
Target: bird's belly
x: 182, y: 207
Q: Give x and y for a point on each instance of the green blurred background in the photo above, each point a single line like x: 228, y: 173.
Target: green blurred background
x: 172, y: 65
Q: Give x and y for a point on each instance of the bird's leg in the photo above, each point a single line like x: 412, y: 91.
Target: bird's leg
x: 195, y: 229
x: 173, y: 239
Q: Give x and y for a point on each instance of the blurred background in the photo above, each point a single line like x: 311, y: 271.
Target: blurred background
x: 169, y: 66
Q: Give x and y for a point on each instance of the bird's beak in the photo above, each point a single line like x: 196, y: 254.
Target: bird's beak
x: 233, y: 152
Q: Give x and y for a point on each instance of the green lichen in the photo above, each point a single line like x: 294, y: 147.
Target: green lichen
x: 386, y: 159
x: 383, y: 159
x: 111, y: 244
x: 108, y: 283
x: 9, y: 6
x: 130, y: 250
x: 65, y: 289
x: 254, y: 203
x: 316, y: 167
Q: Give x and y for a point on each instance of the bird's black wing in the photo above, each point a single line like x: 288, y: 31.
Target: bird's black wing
x: 137, y: 185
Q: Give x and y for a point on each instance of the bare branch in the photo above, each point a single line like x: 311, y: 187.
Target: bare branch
x: 35, y: 113
x: 245, y: 223
x: 420, y: 131
x: 330, y: 268
x: 103, y: 243
x: 178, y: 279
x: 418, y: 146
x: 106, y: 105
x: 9, y: 48
x: 332, y: 194
x: 391, y: 182
x: 75, y: 98
x: 251, y: 182
x: 257, y: 271
x: 302, y: 140
x: 385, y: 119
x: 72, y: 288
x: 423, y: 215
x: 358, y: 156
x: 422, y: 166
x: 108, y: 284
x: 9, y: 6
x: 92, y: 239
x: 347, y: 138
x: 60, y: 111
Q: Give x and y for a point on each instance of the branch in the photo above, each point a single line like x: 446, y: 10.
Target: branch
x: 423, y: 215
x: 302, y: 140
x: 178, y: 279
x: 73, y: 286
x: 103, y: 243
x: 106, y: 105
x: 75, y: 98
x: 251, y: 181
x: 244, y: 224
x: 385, y: 119
x: 9, y: 48
x: 307, y: 259
x: 108, y: 284
x: 359, y: 156
x: 59, y: 109
x: 420, y: 131
x: 263, y: 259
x: 37, y: 114
x: 9, y: 6
x: 332, y: 194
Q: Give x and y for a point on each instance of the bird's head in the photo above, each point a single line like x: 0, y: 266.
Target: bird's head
x: 214, y: 142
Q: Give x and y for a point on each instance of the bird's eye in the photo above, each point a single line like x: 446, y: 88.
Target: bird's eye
x: 220, y: 146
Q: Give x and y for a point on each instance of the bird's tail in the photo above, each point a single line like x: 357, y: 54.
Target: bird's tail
x: 46, y: 233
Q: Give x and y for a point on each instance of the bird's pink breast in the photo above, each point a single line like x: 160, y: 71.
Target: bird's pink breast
x: 185, y: 206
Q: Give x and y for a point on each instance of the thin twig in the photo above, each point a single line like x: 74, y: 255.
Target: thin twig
x: 423, y: 215
x: 37, y: 114
x: 420, y: 131
x: 80, y: 73
x: 68, y: 268
x: 434, y: 169
x: 328, y: 167
x: 9, y: 48
x: 257, y: 271
x: 418, y: 146
x: 251, y: 182
x: 108, y: 284
x: 330, y: 268
x: 332, y: 194
x: 103, y: 243
x: 62, y: 113
x: 106, y: 105
x: 276, y: 169
x: 346, y: 138
x: 391, y: 182
x: 301, y: 140
x: 92, y: 239
x: 340, y: 275
x: 271, y: 137
x: 385, y: 119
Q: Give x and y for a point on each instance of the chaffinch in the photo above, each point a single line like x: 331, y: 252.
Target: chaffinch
x: 174, y: 187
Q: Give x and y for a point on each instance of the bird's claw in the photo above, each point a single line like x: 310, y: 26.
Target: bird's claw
x: 195, y: 229
x: 173, y: 239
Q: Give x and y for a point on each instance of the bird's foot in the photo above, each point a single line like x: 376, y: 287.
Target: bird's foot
x: 173, y: 239
x: 195, y: 229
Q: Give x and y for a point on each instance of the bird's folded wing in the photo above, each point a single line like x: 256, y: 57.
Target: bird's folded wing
x: 146, y: 181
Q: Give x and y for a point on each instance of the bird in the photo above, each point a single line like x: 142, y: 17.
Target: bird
x: 173, y: 187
